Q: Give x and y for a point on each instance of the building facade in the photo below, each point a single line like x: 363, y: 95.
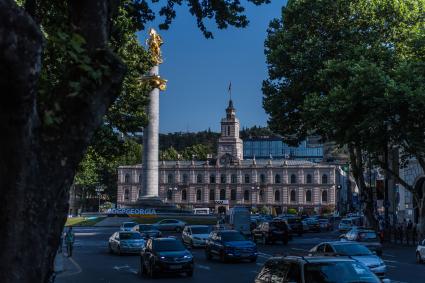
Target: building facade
x: 229, y: 179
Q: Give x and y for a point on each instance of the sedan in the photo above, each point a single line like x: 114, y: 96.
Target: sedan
x: 195, y: 235
x: 126, y: 242
x: 127, y: 226
x: 147, y: 231
x: 165, y: 255
x: 170, y: 225
x: 420, y: 252
x: 355, y: 251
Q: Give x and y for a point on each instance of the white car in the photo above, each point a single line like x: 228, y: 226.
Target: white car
x: 420, y: 252
x: 127, y: 226
x: 126, y: 242
x: 196, y: 235
x: 345, y: 225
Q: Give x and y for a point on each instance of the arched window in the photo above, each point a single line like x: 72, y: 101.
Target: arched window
x: 324, y: 179
x: 308, y: 196
x: 233, y: 194
x: 126, y: 194
x: 262, y: 178
x: 261, y: 196
x: 325, y: 196
x: 276, y: 196
x: 309, y: 179
x: 184, y: 195
x: 223, y: 178
x: 292, y: 196
x: 198, y: 195
x: 185, y: 179
x: 212, y: 194
x: 222, y: 194
x: 140, y: 178
x: 170, y: 195
x: 277, y: 179
x: 199, y: 178
x: 247, y: 179
x: 170, y: 179
x: 212, y: 179
x: 293, y: 179
x: 127, y: 178
x: 233, y: 179
x: 246, y: 195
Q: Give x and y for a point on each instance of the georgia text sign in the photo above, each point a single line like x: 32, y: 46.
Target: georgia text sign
x: 133, y: 211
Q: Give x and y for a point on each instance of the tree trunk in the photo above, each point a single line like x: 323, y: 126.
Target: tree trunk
x: 356, y: 160
x: 38, y: 161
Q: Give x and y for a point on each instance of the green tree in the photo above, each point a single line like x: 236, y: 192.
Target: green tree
x: 62, y: 66
x: 331, y: 72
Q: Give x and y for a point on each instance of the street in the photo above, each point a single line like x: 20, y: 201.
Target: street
x: 92, y: 262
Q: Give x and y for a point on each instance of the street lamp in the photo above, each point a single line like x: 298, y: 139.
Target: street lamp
x: 99, y: 190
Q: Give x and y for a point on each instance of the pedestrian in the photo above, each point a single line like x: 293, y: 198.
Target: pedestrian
x: 409, y: 231
x: 69, y: 240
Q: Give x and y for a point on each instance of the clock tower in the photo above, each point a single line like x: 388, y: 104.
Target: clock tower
x: 230, y: 146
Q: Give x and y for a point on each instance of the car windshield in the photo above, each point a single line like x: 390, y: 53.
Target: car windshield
x: 278, y: 225
x: 129, y: 225
x: 232, y: 236
x: 130, y: 236
x: 146, y: 227
x: 352, y: 250
x: 367, y: 236
x: 200, y: 230
x: 338, y: 272
x: 168, y: 245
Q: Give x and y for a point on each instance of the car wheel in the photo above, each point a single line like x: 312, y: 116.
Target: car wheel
x: 418, y: 258
x: 189, y: 273
x: 222, y: 257
x: 152, y: 273
x: 208, y: 254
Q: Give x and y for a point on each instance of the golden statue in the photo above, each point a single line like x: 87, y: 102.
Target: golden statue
x: 154, y: 42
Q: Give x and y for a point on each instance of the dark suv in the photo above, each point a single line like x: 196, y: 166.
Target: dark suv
x: 312, y: 269
x: 271, y: 231
x: 230, y: 244
x: 165, y: 255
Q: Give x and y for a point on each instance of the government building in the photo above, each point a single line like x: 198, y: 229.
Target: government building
x: 230, y: 180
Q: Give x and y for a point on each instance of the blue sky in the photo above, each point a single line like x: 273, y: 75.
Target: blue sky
x: 198, y: 71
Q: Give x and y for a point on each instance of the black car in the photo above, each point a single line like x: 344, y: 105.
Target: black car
x: 296, y: 225
x: 147, y: 231
x: 165, y: 255
x: 308, y: 269
x: 230, y: 244
x: 271, y: 231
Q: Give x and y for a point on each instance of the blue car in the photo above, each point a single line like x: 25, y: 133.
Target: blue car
x: 230, y: 244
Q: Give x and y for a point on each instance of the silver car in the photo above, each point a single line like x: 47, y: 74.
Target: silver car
x: 170, y: 225
x: 196, y: 235
x: 126, y: 242
x: 127, y: 226
x: 420, y: 252
x: 355, y: 251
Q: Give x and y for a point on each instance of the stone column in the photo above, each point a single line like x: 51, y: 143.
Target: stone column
x: 150, y: 143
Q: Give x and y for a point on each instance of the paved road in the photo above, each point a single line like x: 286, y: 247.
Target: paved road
x: 92, y: 262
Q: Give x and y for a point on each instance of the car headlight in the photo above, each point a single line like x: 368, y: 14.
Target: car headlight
x: 187, y: 257
x: 162, y: 257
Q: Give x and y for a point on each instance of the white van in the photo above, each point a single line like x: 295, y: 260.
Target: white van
x: 240, y: 219
x: 202, y: 211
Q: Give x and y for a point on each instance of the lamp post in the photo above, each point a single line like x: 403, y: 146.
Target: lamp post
x: 99, y: 190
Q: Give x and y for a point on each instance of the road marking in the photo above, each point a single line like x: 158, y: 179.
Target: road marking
x: 206, y: 267
x: 134, y: 271
x: 77, y: 266
x: 120, y: 267
x: 390, y: 261
x: 297, y: 249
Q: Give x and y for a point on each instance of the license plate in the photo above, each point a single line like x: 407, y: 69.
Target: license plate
x: 175, y: 266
